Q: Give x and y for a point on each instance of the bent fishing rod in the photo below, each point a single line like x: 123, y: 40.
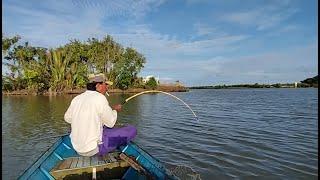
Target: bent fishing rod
x: 131, y: 97
x: 157, y: 91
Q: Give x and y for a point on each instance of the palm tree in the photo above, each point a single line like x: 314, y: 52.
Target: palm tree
x: 58, y: 64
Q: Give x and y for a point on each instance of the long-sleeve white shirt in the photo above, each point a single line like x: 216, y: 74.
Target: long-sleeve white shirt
x: 87, y: 114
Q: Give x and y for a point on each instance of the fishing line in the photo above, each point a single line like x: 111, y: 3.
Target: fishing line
x: 50, y: 137
x: 128, y: 99
x: 156, y: 91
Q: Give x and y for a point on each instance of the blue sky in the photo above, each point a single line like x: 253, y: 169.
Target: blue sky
x: 198, y: 42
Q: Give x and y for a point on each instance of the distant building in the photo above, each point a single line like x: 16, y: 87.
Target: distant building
x: 295, y: 84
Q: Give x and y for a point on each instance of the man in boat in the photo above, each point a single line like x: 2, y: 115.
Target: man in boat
x: 92, y: 120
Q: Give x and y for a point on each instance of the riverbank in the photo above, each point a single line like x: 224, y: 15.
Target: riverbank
x: 110, y: 91
x: 254, y: 86
x: 250, y: 87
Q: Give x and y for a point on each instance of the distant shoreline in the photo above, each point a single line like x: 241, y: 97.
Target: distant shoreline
x: 307, y: 83
x: 110, y: 91
x: 256, y: 85
x: 250, y: 88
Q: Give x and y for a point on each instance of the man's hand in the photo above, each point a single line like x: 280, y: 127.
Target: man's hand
x: 117, y: 107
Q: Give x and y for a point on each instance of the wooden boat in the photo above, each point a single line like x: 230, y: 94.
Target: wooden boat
x: 61, y: 161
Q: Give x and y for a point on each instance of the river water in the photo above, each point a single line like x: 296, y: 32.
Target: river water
x: 241, y: 133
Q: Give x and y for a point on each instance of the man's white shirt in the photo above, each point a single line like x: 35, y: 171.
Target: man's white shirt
x: 87, y: 114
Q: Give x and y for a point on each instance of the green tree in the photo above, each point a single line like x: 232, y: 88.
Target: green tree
x: 138, y: 83
x: 67, y: 67
x: 20, y: 59
x: 6, y: 84
x: 7, y: 43
x: 58, y: 64
x: 77, y: 68
x: 127, y: 68
x: 311, y: 81
x: 152, y: 83
x: 277, y: 85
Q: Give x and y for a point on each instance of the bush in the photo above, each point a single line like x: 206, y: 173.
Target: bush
x: 152, y: 83
x: 6, y: 85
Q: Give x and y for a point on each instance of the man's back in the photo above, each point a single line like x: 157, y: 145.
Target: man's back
x: 85, y: 115
x: 92, y: 120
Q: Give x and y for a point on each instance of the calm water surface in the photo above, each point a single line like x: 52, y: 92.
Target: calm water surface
x: 249, y: 133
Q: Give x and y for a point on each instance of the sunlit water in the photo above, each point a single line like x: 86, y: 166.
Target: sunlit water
x: 241, y: 134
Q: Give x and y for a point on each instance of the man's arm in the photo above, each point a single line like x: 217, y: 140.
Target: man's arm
x: 68, y: 114
x: 108, y: 115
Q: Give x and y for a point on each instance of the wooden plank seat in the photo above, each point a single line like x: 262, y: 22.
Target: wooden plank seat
x: 81, y: 164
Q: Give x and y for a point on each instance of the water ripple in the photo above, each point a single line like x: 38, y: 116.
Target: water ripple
x: 241, y: 134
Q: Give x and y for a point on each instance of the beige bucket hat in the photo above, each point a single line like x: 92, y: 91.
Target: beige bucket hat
x: 99, y: 78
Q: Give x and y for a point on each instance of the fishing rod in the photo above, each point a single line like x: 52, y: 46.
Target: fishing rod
x: 157, y: 91
x: 51, y: 137
x: 127, y: 100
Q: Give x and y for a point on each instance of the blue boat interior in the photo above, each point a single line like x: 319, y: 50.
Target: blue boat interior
x: 62, y: 150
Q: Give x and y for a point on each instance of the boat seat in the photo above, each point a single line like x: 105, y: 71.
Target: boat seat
x: 81, y: 164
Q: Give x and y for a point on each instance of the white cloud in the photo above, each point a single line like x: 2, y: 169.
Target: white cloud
x: 197, y: 60
x: 290, y: 28
x: 192, y: 2
x: 275, y: 19
x: 293, y: 64
x: 61, y: 21
x: 204, y: 29
x: 248, y: 17
x: 262, y: 18
x: 50, y: 29
x: 127, y: 8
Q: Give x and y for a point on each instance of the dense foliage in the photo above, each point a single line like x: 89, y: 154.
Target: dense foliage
x: 152, y: 83
x: 67, y: 67
x: 311, y: 81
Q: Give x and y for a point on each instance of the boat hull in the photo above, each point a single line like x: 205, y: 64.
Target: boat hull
x: 62, y: 149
